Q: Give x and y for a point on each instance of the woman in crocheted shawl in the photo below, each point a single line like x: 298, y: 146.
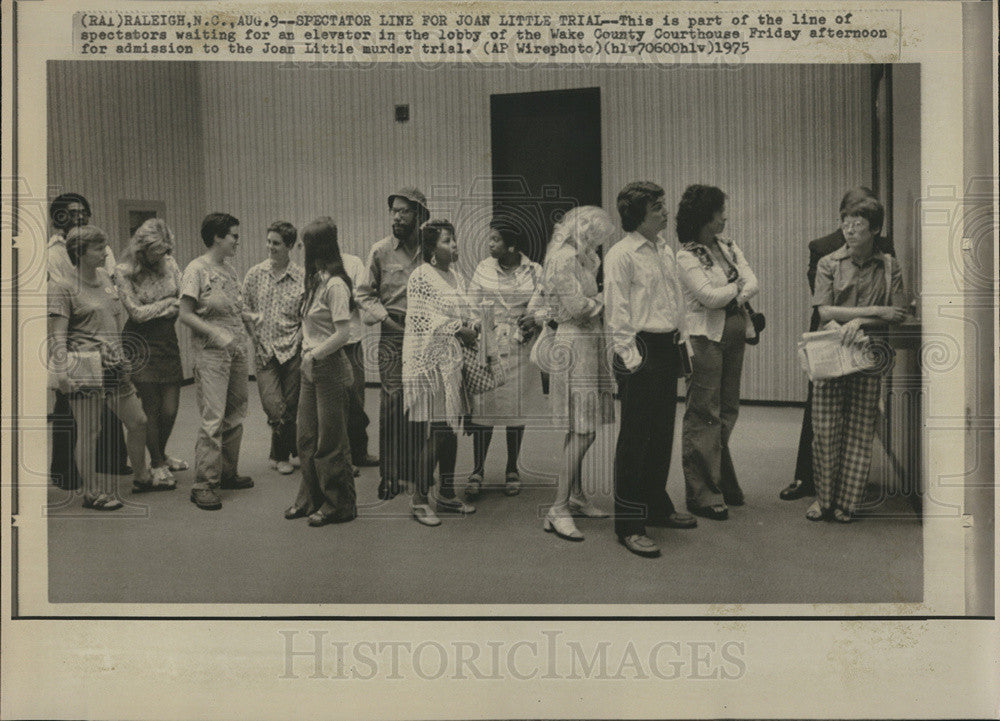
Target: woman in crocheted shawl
x: 582, y: 387
x: 438, y: 324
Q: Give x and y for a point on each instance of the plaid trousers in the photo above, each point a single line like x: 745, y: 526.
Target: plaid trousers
x: 844, y: 412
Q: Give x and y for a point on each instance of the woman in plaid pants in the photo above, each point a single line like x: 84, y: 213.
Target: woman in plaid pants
x: 854, y: 286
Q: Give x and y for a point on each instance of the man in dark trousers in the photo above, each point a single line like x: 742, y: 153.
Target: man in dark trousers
x: 802, y: 485
x: 644, y: 314
x: 382, y: 298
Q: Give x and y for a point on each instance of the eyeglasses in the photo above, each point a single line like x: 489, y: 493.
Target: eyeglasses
x: 850, y: 225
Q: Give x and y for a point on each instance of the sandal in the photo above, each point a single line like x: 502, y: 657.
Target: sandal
x: 474, y: 485
x: 513, y: 483
x: 154, y: 484
x: 176, y: 464
x: 102, y: 502
x: 815, y: 512
x: 842, y: 516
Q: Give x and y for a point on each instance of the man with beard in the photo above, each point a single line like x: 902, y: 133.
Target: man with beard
x: 383, y: 299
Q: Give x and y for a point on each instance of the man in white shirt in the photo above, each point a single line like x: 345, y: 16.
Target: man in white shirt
x: 357, y: 419
x: 644, y: 314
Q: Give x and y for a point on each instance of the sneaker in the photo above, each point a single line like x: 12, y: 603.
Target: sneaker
x: 236, y: 483
x: 284, y: 467
x: 206, y: 499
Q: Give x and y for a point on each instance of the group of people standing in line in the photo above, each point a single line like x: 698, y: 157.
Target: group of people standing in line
x: 657, y: 318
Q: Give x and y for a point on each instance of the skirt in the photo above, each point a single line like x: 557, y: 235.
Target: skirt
x: 153, y: 351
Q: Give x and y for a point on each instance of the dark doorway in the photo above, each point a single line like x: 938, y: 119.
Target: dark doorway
x: 546, y: 159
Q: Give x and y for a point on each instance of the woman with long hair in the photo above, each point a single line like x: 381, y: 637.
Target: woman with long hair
x: 438, y: 323
x: 149, y: 281
x: 89, y: 365
x: 581, y: 382
x: 717, y: 282
x: 326, y: 492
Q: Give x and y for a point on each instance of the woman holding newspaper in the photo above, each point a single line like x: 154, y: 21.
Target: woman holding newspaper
x: 717, y: 283
x: 854, y: 286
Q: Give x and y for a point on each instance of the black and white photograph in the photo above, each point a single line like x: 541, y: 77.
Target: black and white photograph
x: 548, y: 345
x: 602, y: 222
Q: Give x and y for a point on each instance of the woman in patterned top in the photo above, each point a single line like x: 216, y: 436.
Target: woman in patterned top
x: 149, y: 282
x: 438, y: 322
x: 582, y: 386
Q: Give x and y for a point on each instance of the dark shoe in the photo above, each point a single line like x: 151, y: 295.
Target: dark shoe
x: 237, y: 483
x: 716, y: 513
x: 674, y: 520
x: 368, y: 460
x: 640, y: 545
x: 293, y: 512
x: 734, y: 499
x: 796, y: 490
x: 206, y: 499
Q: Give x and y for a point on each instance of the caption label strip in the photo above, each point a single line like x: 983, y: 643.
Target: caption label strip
x: 435, y: 37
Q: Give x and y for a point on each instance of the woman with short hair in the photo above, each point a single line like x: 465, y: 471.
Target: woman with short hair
x: 438, y: 323
x: 149, y: 281
x: 89, y: 365
x: 506, y: 281
x: 717, y: 282
x: 582, y: 388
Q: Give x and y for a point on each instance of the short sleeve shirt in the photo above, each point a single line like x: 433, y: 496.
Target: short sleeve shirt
x: 842, y: 281
x: 94, y: 311
x: 217, y: 293
x: 279, y: 301
x: 330, y: 304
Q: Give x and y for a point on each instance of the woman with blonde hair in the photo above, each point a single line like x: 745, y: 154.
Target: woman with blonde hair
x: 148, y: 282
x: 581, y: 382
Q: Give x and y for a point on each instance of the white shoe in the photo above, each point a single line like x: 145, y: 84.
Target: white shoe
x: 161, y: 474
x: 284, y: 467
x: 581, y: 506
x: 562, y: 526
x: 425, y: 515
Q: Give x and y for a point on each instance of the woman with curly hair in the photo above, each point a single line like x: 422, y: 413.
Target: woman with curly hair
x: 717, y: 282
x: 438, y: 323
x: 581, y: 382
x: 149, y: 281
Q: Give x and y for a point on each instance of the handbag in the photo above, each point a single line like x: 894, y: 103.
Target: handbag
x: 478, y: 376
x: 757, y: 322
x: 84, y: 368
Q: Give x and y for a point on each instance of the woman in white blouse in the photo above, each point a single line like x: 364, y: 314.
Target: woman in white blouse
x: 717, y: 283
x: 505, y: 282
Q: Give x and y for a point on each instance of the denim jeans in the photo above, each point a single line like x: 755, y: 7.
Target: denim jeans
x: 357, y: 419
x: 327, y: 477
x: 278, y: 384
x: 713, y: 405
x: 221, y: 378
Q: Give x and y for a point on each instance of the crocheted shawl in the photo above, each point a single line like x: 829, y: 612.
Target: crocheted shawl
x: 432, y: 355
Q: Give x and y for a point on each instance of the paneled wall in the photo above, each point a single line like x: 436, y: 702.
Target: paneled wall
x: 293, y: 142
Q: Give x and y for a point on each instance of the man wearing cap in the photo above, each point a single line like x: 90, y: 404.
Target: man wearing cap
x: 382, y: 297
